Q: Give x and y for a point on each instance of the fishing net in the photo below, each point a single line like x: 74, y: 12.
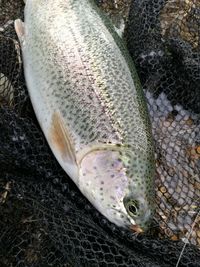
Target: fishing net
x: 44, y: 219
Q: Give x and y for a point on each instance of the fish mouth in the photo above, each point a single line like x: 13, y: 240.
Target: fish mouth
x: 136, y: 229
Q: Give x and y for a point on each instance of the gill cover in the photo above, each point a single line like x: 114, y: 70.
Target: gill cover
x: 102, y: 178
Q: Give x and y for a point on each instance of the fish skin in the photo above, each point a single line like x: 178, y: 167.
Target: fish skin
x: 90, y: 105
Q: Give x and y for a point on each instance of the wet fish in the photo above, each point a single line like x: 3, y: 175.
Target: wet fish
x: 90, y: 105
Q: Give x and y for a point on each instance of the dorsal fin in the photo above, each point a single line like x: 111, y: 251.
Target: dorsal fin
x: 60, y: 138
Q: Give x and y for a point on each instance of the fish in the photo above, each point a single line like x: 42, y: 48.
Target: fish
x: 89, y: 103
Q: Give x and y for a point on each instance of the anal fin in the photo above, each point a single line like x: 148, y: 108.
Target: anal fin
x: 20, y: 30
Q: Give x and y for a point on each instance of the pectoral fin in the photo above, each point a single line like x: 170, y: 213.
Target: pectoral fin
x: 61, y: 140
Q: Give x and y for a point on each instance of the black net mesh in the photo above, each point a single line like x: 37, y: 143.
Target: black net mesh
x: 44, y: 220
x: 168, y: 63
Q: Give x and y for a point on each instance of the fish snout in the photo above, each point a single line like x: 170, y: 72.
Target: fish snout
x: 136, y: 229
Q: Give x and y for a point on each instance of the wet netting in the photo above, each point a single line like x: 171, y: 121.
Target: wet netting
x: 44, y: 219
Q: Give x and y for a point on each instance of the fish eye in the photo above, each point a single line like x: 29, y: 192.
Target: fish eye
x: 132, y: 208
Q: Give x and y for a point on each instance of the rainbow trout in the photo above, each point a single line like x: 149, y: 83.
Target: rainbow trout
x: 90, y: 106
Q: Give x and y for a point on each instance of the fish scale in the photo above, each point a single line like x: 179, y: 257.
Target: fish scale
x: 90, y: 106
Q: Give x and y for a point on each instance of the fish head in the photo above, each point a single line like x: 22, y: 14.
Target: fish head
x: 119, y: 185
x: 139, y: 200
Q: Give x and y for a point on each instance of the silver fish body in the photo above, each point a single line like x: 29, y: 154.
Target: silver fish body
x: 90, y: 106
